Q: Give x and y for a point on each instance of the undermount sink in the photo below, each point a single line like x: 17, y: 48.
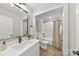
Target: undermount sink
x: 18, y: 46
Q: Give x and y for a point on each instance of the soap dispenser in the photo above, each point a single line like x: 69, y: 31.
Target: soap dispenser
x: 4, y: 45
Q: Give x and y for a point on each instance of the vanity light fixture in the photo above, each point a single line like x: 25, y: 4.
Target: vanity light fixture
x: 22, y: 8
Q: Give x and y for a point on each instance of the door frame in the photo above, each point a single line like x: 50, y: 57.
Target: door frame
x: 65, y: 25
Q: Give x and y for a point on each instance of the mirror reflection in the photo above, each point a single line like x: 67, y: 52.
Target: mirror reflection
x: 13, y: 20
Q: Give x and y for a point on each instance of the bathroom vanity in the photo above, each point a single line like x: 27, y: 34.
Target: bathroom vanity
x: 25, y: 48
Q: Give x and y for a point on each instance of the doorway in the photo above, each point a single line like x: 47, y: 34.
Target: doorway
x: 65, y: 26
x: 53, y: 33
x: 50, y: 32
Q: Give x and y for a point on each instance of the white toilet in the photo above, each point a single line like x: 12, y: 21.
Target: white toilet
x: 44, y: 44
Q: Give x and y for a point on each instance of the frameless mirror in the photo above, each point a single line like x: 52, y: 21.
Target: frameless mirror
x: 11, y: 20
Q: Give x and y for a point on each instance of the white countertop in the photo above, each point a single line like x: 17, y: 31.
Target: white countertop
x: 13, y: 52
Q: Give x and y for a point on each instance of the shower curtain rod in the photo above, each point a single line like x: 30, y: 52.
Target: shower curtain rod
x: 20, y: 7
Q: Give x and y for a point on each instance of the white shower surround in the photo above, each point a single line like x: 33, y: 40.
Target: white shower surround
x: 48, y: 30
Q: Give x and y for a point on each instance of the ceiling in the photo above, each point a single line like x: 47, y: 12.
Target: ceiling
x: 12, y: 9
x: 38, y: 7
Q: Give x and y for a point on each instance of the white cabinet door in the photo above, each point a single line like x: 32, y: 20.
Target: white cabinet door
x: 33, y: 51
